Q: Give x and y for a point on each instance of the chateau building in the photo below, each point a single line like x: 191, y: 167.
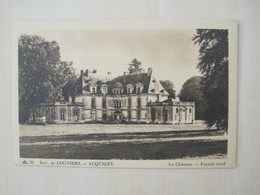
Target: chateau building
x: 136, y: 97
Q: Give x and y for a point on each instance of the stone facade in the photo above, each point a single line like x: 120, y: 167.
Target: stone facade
x: 131, y: 98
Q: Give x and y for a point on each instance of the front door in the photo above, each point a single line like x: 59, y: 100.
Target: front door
x: 183, y: 116
x: 117, y: 116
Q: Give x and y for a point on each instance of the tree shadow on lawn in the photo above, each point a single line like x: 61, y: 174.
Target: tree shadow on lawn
x: 128, y: 151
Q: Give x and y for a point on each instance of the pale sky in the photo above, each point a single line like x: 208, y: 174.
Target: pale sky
x: 170, y: 53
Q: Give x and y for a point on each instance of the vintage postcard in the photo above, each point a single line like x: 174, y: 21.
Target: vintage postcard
x: 125, y: 93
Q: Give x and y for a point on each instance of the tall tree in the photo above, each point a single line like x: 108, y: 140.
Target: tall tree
x: 213, y: 64
x: 169, y: 87
x: 41, y: 72
x: 135, y: 65
x: 191, y: 91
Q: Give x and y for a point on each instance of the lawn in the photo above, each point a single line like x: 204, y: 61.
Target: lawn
x: 170, y: 144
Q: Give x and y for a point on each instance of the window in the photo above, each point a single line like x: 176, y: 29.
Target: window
x: 129, y: 115
x: 138, y: 90
x: 138, y: 114
x: 117, y: 104
x: 129, y: 102
x: 139, y: 102
x: 93, y: 103
x: 177, y: 110
x: 190, y: 110
x: 93, y: 90
x: 76, y: 114
x: 129, y: 88
x: 139, y: 87
x: 104, y: 90
x: 62, y: 115
x: 104, y: 103
x: 104, y: 116
x: 116, y: 91
x: 165, y: 115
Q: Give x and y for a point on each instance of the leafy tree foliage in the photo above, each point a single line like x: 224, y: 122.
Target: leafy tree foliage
x: 213, y: 64
x: 191, y: 91
x: 134, y: 65
x: 41, y: 72
x: 169, y: 87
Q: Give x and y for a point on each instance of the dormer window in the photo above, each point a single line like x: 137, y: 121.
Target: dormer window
x: 117, y: 91
x: 139, y: 88
x: 117, y: 88
x: 93, y: 88
x: 129, y: 88
x: 104, y: 89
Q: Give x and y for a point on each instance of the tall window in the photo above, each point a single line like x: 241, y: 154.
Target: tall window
x: 62, y: 115
x: 93, y: 103
x: 104, y: 103
x: 104, y: 116
x: 138, y: 114
x: 129, y: 102
x: 76, y: 114
x: 139, y: 102
x: 129, y: 115
x: 177, y: 110
x: 94, y: 90
x: 165, y: 115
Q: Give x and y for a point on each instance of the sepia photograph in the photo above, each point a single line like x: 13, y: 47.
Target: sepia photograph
x: 126, y: 94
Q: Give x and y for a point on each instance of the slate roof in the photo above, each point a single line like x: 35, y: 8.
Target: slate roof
x: 121, y: 82
x: 143, y: 78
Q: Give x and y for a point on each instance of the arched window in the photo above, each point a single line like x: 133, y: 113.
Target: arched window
x: 62, y: 115
x: 76, y: 114
x: 190, y: 110
x: 177, y: 110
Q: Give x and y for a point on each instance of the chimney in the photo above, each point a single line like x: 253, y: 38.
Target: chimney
x: 86, y: 73
x: 150, y: 70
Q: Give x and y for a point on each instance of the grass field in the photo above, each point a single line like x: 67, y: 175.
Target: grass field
x: 86, y: 143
